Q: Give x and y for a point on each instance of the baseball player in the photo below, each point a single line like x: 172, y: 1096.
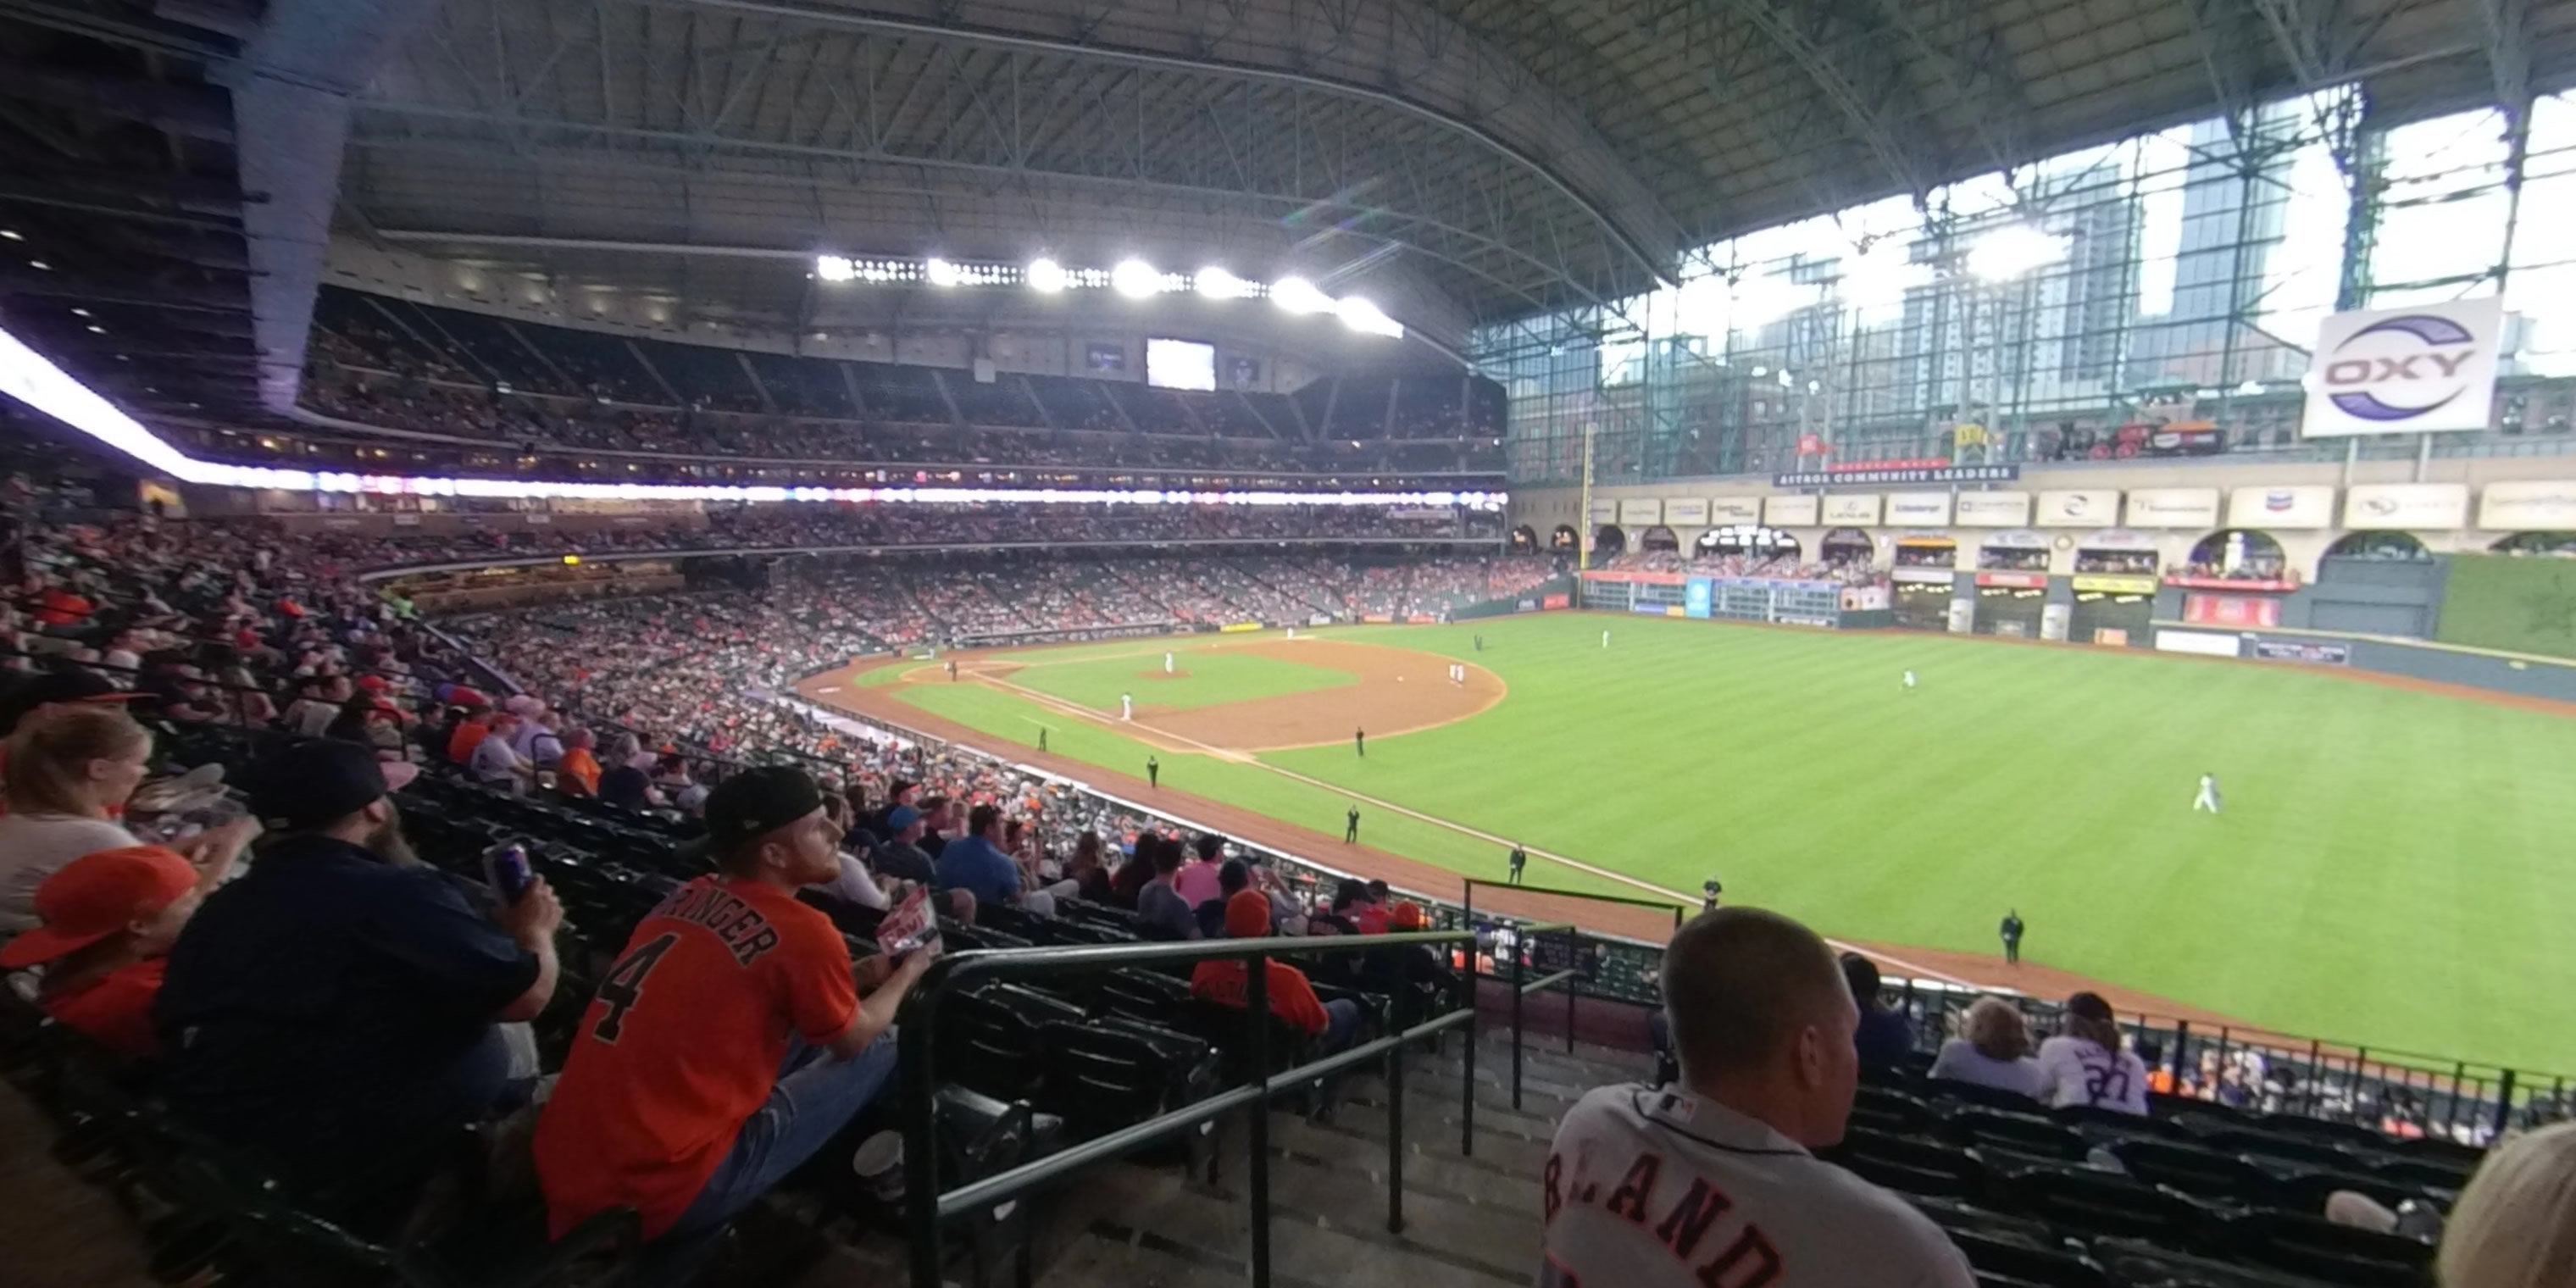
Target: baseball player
x: 2010, y: 929
x: 1153, y: 772
x: 1605, y: 639
x: 1359, y: 742
x: 1167, y: 663
x: 1351, y: 826
x: 1520, y: 859
x: 2208, y: 797
x: 952, y: 670
x: 1126, y: 706
x: 1909, y: 679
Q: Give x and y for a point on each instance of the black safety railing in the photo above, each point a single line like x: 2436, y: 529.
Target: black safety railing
x: 1567, y: 969
x: 929, y: 1204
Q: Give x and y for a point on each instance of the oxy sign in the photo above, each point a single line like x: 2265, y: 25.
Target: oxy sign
x: 2430, y: 367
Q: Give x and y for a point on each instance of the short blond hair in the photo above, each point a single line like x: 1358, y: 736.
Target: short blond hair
x: 2515, y: 1225
x: 1996, y: 1029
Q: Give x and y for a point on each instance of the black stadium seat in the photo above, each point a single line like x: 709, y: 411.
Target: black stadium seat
x: 2312, y: 1245
x: 2021, y: 1260
x: 2200, y: 1173
x: 2018, y: 1133
x: 1909, y: 1165
x: 2092, y: 1203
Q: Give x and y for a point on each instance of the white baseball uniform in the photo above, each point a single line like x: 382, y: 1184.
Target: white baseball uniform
x: 1605, y: 639
x: 1909, y: 679
x: 1652, y: 1187
x: 1126, y: 706
x: 1167, y: 664
x: 2077, y: 1071
x: 2208, y: 797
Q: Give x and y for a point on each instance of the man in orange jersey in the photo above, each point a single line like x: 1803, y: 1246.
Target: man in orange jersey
x: 729, y: 1042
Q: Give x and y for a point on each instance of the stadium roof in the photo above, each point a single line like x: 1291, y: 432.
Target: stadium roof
x: 1459, y: 160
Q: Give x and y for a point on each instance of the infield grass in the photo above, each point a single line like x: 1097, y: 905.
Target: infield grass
x: 1212, y: 677
x: 2395, y: 869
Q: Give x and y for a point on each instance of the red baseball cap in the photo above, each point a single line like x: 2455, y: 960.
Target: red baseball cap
x: 96, y: 896
x: 374, y: 683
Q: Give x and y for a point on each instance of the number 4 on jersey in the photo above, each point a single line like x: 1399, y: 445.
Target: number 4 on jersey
x: 624, y: 986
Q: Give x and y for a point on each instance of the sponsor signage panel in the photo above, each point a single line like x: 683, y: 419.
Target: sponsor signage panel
x: 1648, y: 512
x: 2014, y: 580
x: 1636, y: 578
x: 2091, y: 508
x: 1934, y: 576
x: 2312, y: 652
x: 1789, y: 511
x: 2281, y: 507
x: 1695, y: 597
x: 1237, y: 628
x: 2231, y: 610
x: 2185, y: 438
x: 1918, y: 509
x: 1558, y: 600
x: 2434, y: 507
x: 2173, y: 507
x: 1686, y: 511
x: 2201, y: 642
x: 2117, y: 539
x: 2421, y: 369
x: 2537, y: 505
x: 2019, y: 539
x: 1863, y: 599
x: 1992, y: 510
x: 2116, y: 585
x: 1858, y: 509
x: 1899, y: 472
x: 1724, y: 511
x: 1605, y: 512
x: 2229, y: 583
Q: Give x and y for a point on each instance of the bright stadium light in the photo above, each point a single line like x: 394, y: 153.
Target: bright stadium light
x: 1135, y: 279
x: 941, y: 272
x: 2014, y: 250
x: 1297, y: 295
x: 835, y: 268
x: 1361, y: 314
x: 1045, y: 275
x: 1218, y: 284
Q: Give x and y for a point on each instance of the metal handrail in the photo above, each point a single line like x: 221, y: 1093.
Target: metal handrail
x: 927, y: 1207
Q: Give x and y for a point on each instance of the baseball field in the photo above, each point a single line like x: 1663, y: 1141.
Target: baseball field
x: 2394, y: 868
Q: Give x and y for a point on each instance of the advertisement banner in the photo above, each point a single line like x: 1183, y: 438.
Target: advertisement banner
x: 1559, y: 600
x: 1918, y: 509
x: 2531, y: 506
x: 2430, y: 507
x: 1899, y: 472
x: 2420, y: 369
x: 1237, y: 628
x: 2015, y: 539
x: 1673, y: 610
x: 1862, y: 599
x: 2014, y: 580
x: 1686, y: 511
x: 1422, y: 619
x: 1929, y: 576
x: 1653, y: 610
x: 1527, y: 605
x: 2312, y: 652
x: 1647, y: 512
x: 1376, y: 619
x: 2173, y: 507
x: 1992, y: 510
x: 1726, y: 510
x: 1696, y: 595
x: 1637, y: 578
x: 2111, y: 635
x: 2200, y: 642
x: 2087, y: 509
x: 2115, y: 585
x: 1605, y: 512
x: 2116, y: 539
x: 1789, y: 511
x: 1855, y: 509
x: 2231, y: 610
x: 2281, y: 507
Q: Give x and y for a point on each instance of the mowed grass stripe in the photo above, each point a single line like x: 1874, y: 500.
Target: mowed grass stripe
x: 2393, y: 868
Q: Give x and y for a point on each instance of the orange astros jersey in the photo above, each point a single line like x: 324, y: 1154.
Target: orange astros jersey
x: 683, y: 1043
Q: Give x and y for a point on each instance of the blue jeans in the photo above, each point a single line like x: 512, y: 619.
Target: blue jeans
x: 815, y: 1098
x: 1341, y: 1024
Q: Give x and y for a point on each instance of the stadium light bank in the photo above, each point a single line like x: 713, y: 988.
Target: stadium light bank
x: 33, y: 379
x: 1133, y: 278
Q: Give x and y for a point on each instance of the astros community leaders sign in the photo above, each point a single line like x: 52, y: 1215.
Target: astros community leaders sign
x: 1853, y: 476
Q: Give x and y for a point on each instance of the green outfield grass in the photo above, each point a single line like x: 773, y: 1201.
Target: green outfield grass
x: 1215, y: 676
x: 2394, y: 868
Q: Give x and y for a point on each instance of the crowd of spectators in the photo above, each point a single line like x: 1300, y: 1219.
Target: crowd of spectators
x: 1757, y: 565
x: 441, y: 371
x: 2124, y: 562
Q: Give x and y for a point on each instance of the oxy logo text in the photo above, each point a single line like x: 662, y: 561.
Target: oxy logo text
x: 2415, y: 382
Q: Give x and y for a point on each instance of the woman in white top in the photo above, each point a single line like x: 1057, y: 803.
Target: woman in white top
x: 1992, y: 1050
x: 2087, y: 1063
x: 70, y: 766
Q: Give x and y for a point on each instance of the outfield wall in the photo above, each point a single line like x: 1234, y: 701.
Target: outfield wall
x: 2522, y: 675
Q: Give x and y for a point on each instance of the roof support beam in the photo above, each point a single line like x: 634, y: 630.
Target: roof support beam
x: 1620, y: 204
